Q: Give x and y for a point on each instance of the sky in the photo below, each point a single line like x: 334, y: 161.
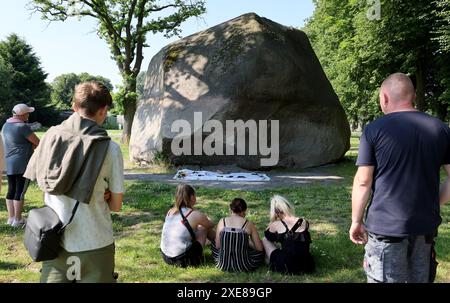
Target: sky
x: 74, y: 47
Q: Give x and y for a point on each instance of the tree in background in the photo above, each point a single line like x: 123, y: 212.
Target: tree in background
x: 5, y: 90
x: 124, y: 25
x: 358, y: 52
x: 63, y: 88
x: 26, y: 78
x: 120, y: 95
x: 443, y: 27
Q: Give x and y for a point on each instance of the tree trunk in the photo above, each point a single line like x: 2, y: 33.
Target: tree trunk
x: 129, y: 107
x: 420, y: 89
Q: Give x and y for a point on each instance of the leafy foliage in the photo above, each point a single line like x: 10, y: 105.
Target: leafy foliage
x: 358, y: 53
x: 5, y: 91
x: 22, y: 79
x: 124, y: 25
x: 63, y: 87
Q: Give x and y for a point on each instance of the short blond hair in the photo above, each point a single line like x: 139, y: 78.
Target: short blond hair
x: 280, y: 206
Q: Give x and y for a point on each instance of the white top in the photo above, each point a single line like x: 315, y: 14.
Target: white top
x: 175, y: 239
x: 91, y: 227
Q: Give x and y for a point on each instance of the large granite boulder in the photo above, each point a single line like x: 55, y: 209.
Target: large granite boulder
x: 248, y: 68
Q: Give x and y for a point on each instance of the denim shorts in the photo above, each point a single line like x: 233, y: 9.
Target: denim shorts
x: 398, y: 260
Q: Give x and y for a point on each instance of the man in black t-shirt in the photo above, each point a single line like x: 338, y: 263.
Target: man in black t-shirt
x: 399, y: 162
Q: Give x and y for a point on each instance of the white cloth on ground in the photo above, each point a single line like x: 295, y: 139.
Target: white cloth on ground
x: 193, y: 175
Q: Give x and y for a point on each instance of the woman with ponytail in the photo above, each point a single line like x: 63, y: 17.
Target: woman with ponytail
x: 185, y: 230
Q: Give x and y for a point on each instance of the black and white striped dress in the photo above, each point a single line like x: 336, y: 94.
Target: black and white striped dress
x: 235, y: 253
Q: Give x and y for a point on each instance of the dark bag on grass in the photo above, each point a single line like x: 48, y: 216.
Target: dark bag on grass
x: 43, y: 233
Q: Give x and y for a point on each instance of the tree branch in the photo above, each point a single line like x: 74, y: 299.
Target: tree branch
x: 140, y: 38
x: 158, y: 9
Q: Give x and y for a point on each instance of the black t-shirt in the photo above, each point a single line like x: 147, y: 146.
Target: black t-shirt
x: 407, y: 150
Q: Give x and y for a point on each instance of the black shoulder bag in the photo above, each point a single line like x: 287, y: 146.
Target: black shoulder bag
x: 43, y: 233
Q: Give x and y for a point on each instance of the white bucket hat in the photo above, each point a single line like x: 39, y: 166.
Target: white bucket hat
x: 22, y: 109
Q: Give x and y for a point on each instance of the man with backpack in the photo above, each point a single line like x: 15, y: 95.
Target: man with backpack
x: 400, y: 157
x: 80, y: 169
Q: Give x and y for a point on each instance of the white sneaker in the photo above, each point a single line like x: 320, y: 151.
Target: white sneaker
x: 19, y: 224
x: 10, y: 221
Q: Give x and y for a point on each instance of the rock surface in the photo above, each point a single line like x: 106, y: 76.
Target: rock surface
x: 248, y: 68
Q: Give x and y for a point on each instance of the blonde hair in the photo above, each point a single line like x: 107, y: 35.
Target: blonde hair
x: 280, y: 206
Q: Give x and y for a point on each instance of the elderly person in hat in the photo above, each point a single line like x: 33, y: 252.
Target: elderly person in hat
x: 19, y: 142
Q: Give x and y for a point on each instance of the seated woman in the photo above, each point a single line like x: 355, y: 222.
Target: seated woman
x: 292, y: 232
x: 237, y: 246
x: 185, y: 230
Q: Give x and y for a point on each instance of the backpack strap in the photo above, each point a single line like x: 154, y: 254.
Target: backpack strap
x: 243, y: 226
x: 187, y: 225
x: 75, y: 208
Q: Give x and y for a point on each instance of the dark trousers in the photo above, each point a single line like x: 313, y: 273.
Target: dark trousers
x: 16, y: 187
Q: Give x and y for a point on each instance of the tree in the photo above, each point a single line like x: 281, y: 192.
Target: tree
x: 332, y: 32
x: 27, y: 78
x: 85, y: 77
x: 5, y: 90
x: 124, y: 25
x: 63, y: 87
x: 358, y: 53
x: 443, y: 27
x: 62, y: 90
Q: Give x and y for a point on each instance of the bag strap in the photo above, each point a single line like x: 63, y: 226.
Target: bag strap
x: 188, y: 226
x: 75, y: 208
x: 297, y: 225
x: 285, y: 225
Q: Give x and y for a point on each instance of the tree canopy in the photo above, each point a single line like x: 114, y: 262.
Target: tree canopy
x: 63, y: 87
x: 124, y: 25
x: 358, y: 52
x: 22, y: 78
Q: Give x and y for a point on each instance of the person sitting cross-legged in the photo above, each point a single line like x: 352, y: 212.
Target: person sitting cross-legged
x: 238, y: 246
x: 185, y: 230
x: 294, y: 256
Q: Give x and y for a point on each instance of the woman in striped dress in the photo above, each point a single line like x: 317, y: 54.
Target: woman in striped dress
x: 238, y: 246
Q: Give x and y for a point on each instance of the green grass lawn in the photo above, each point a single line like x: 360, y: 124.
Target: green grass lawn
x: 138, y: 227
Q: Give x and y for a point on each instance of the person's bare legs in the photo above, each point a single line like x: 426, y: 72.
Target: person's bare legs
x: 18, y: 208
x: 269, y: 247
x: 11, y: 212
x: 201, y: 235
x: 212, y: 235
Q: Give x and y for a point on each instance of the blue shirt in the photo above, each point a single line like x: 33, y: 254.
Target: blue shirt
x: 17, y: 148
x: 407, y: 150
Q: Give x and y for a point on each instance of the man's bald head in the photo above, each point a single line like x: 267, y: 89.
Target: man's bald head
x: 397, y: 92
